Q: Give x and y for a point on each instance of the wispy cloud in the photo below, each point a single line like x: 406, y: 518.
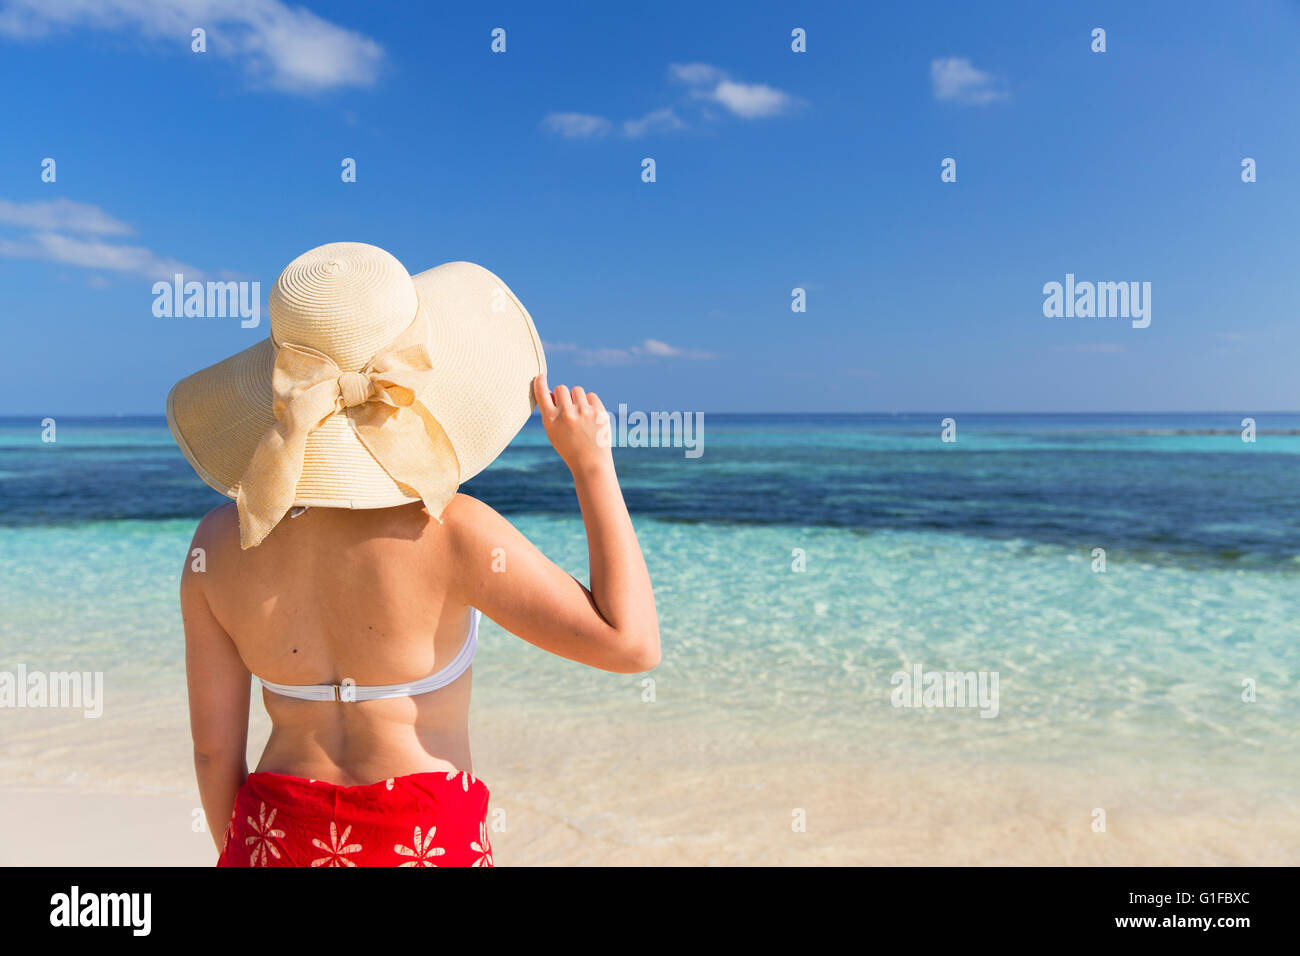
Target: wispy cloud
x: 50, y: 223
x: 649, y: 349
x: 588, y: 126
x: 663, y: 349
x: 955, y: 78
x: 96, y: 254
x: 656, y: 121
x: 62, y: 214
x: 746, y: 100
x: 287, y: 48
x: 695, y: 74
x: 576, y: 125
x: 705, y: 84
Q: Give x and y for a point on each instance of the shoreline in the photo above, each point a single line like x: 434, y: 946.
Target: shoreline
x: 594, y: 778
x: 743, y: 815
x: 574, y: 790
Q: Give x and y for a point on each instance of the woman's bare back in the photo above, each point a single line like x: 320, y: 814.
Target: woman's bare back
x: 338, y: 595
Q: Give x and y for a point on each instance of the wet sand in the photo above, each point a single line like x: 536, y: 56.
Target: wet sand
x: 629, y: 794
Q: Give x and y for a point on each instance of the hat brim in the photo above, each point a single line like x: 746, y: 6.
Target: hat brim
x: 485, y: 350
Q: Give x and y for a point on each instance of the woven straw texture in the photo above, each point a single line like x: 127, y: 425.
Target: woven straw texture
x: 350, y: 300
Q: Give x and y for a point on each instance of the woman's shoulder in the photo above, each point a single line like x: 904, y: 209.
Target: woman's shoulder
x: 217, y: 531
x: 220, y: 523
x: 464, y: 508
x: 466, y: 520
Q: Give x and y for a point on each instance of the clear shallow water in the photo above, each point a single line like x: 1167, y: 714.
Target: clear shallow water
x: 967, y: 557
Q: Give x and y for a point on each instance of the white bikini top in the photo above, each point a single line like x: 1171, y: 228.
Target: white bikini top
x: 348, y: 692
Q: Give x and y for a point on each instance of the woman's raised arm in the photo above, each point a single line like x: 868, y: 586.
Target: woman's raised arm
x: 614, y: 625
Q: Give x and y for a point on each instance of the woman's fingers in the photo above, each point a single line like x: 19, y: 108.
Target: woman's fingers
x: 576, y: 423
x: 545, y: 401
x: 562, y: 400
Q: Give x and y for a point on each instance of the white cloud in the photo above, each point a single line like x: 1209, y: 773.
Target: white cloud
x: 650, y: 348
x: 746, y: 100
x: 655, y: 347
x: 96, y: 254
x: 707, y: 83
x: 695, y: 74
x: 587, y: 126
x: 285, y: 48
x: 61, y: 214
x: 956, y: 78
x: 576, y: 125
x: 48, y: 225
x: 656, y: 121
x: 751, y: 100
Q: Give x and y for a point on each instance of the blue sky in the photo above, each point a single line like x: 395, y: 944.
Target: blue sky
x: 775, y: 170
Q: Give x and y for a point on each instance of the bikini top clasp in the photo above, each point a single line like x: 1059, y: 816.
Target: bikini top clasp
x: 349, y: 692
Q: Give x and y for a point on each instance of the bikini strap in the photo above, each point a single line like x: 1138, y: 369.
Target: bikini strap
x: 347, y: 692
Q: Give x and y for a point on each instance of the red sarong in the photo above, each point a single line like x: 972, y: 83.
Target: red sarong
x: 422, y: 819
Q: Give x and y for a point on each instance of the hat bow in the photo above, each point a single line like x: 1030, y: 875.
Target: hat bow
x: 382, y: 401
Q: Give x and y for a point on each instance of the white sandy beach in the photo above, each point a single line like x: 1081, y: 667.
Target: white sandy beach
x: 679, y: 801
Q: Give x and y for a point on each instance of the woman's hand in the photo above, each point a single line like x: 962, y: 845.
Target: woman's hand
x: 577, y: 425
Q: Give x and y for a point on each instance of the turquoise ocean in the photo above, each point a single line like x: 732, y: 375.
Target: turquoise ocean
x: 799, y: 564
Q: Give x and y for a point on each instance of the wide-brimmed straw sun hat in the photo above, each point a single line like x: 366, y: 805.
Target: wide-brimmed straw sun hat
x: 375, y: 388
